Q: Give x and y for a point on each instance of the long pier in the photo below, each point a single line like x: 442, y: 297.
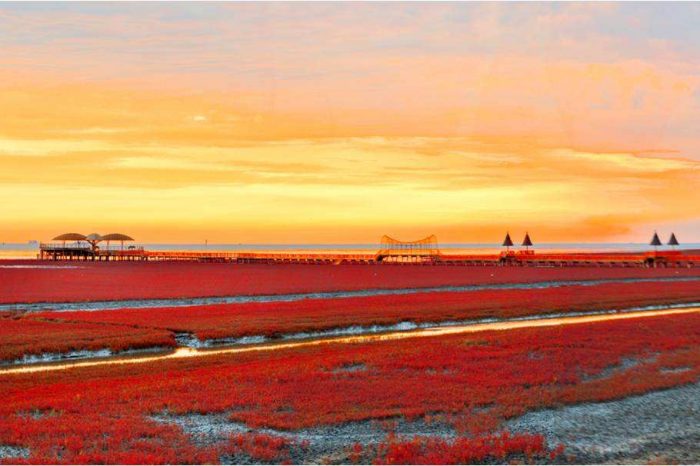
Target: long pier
x: 678, y: 258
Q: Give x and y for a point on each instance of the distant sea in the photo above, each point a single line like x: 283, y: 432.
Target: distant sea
x: 30, y: 250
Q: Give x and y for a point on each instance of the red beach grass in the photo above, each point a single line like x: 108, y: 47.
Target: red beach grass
x: 275, y: 318
x: 473, y: 382
x: 21, y: 337
x: 91, y: 281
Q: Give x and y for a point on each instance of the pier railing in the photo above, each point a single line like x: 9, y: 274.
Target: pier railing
x: 66, y: 246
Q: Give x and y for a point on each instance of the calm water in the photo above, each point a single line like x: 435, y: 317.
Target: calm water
x: 30, y: 250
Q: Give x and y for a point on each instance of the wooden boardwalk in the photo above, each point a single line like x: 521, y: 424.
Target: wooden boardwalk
x: 53, y: 251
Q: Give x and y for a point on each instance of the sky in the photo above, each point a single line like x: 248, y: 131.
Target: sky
x: 341, y: 122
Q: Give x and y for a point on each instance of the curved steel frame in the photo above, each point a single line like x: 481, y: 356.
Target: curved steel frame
x: 420, y: 250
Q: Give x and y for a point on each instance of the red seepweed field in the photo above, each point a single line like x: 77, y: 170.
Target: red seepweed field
x: 95, y: 281
x: 34, y: 337
x: 123, y: 329
x: 464, y: 385
x: 458, y: 398
x: 356, y: 233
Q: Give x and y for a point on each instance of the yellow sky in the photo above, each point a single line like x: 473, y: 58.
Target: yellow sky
x: 462, y: 144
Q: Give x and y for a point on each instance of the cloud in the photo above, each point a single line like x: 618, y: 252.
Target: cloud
x: 319, y: 118
x: 453, y: 186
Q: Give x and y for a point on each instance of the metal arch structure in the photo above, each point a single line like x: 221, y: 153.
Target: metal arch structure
x: 422, y: 250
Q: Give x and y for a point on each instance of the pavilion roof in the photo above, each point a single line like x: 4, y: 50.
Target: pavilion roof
x: 117, y: 237
x: 70, y: 237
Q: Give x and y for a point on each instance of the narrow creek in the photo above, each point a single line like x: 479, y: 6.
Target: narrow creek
x: 189, y: 352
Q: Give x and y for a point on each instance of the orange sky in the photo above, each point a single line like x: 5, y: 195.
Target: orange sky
x: 340, y: 123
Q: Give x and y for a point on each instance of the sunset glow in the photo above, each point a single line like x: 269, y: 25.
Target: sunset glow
x: 289, y: 123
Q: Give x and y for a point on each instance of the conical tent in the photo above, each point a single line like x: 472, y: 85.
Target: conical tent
x: 655, y: 241
x: 507, y: 242
x: 527, y: 242
x: 672, y: 241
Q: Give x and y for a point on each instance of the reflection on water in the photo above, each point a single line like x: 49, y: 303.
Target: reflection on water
x: 187, y: 352
x: 18, y: 253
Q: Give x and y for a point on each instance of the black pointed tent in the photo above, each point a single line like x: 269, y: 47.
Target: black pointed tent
x: 527, y: 242
x: 507, y: 242
x: 655, y: 241
x: 672, y: 241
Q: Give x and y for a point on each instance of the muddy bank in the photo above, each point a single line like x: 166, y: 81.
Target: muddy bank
x: 658, y: 427
x: 13, y: 452
x: 47, y: 358
x: 323, y: 444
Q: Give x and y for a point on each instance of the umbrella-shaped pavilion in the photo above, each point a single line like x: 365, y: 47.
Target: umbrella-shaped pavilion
x: 117, y: 237
x: 69, y: 237
x: 87, y: 247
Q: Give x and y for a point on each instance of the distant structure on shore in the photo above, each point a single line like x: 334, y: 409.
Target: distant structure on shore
x: 394, y: 250
x: 507, y: 242
x: 672, y: 241
x: 426, y: 251
x: 93, y: 239
x: 656, y: 241
x: 78, y: 246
